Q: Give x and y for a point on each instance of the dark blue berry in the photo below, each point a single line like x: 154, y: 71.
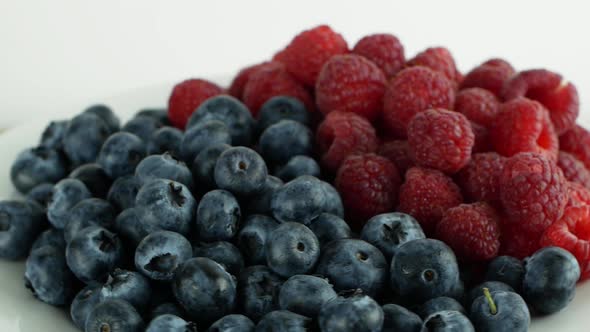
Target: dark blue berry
x: 203, y: 167
x: 509, y: 270
x: 51, y: 237
x: 160, y: 253
x: 164, y: 166
x: 143, y: 127
x: 218, y: 216
x: 93, y: 253
x: 202, y: 135
x: 328, y: 227
x: 550, y: 279
x: 133, y: 224
x: 106, y: 114
x: 253, y: 235
x: 285, y: 140
x: 240, y: 170
x: 260, y: 202
x: 333, y: 201
x: 66, y: 194
x: 48, y: 277
x: 305, y: 294
x: 351, y: 313
x: 88, y: 212
x: 424, y: 269
x: 166, y: 308
x: 114, y: 315
x: 20, y: 223
x: 447, y: 321
x: 84, y: 137
x: 351, y: 264
x: 222, y: 252
x: 94, y: 177
x: 83, y: 303
x: 123, y: 192
x: 298, y: 166
x: 35, y: 166
x: 126, y: 285
x: 292, y: 249
x: 492, y: 286
x: 283, y: 321
x: 281, y: 108
x: 53, y: 135
x: 204, y: 289
x: 170, y: 323
x: 300, y: 200
x: 41, y: 194
x: 232, y: 323
x: 165, y: 139
x: 500, y: 311
x: 437, y: 304
x: 159, y: 114
x: 232, y: 112
x: 390, y: 230
x: 258, y: 291
x: 121, y: 153
x: 398, y: 318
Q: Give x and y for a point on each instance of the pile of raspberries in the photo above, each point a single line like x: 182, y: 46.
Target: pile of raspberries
x: 492, y: 161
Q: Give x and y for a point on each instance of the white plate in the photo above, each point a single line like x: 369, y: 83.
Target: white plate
x: 20, y: 312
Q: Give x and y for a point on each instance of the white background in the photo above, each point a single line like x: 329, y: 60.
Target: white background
x: 56, y: 56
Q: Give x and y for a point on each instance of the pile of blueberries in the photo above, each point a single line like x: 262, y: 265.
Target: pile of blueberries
x: 147, y: 227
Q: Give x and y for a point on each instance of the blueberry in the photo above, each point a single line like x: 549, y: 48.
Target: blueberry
x: 223, y: 253
x: 240, y: 170
x: 333, y: 201
x: 114, y: 315
x: 232, y: 323
x: 305, y: 294
x: 352, y: 264
x: 159, y: 254
x: 298, y: 166
x: 509, y: 270
x: 133, y: 224
x: 550, y: 279
x: 328, y: 227
x: 232, y: 112
x: 291, y: 249
x: 121, y: 153
x: 47, y: 276
x: 204, y: 289
x: 84, y: 137
x: 107, y: 115
x: 171, y: 204
x: 281, y: 108
x: 260, y: 202
x: 500, y: 311
x: 390, y: 230
x: 283, y: 321
x: 166, y: 308
x: 41, y: 194
x: 123, y: 192
x: 36, y: 166
x: 258, y: 291
x: 203, y: 167
x: 398, y: 318
x: 126, y: 285
x: 20, y: 223
x: 66, y: 194
x: 253, y: 235
x: 94, y: 177
x: 83, y: 303
x: 164, y: 166
x: 50, y: 237
x: 170, y: 323
x: 285, y: 140
x: 158, y: 114
x: 437, y: 304
x: 352, y: 312
x: 447, y: 321
x: 143, y: 127
x: 88, y: 212
x: 424, y: 269
x: 53, y: 135
x: 218, y: 216
x: 202, y: 135
x: 492, y: 286
x: 93, y: 253
x: 300, y: 200
x: 165, y: 139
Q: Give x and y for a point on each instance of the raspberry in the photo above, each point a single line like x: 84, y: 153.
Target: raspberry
x: 577, y: 142
x: 368, y: 184
x: 471, y: 230
x: 309, y: 50
x: 481, y: 135
x: 351, y: 83
x: 533, y: 191
x: 573, y: 169
x: 186, y: 97
x: 441, y: 139
x: 236, y: 87
x: 438, y: 59
x: 523, y: 125
x: 385, y: 50
x: 517, y: 242
x: 270, y: 81
x: 578, y: 195
x: 480, y: 179
x: 551, y: 90
x: 342, y: 134
x: 426, y: 195
x: 490, y: 75
x: 572, y: 233
x: 478, y: 105
x: 411, y: 91
x: 398, y: 152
